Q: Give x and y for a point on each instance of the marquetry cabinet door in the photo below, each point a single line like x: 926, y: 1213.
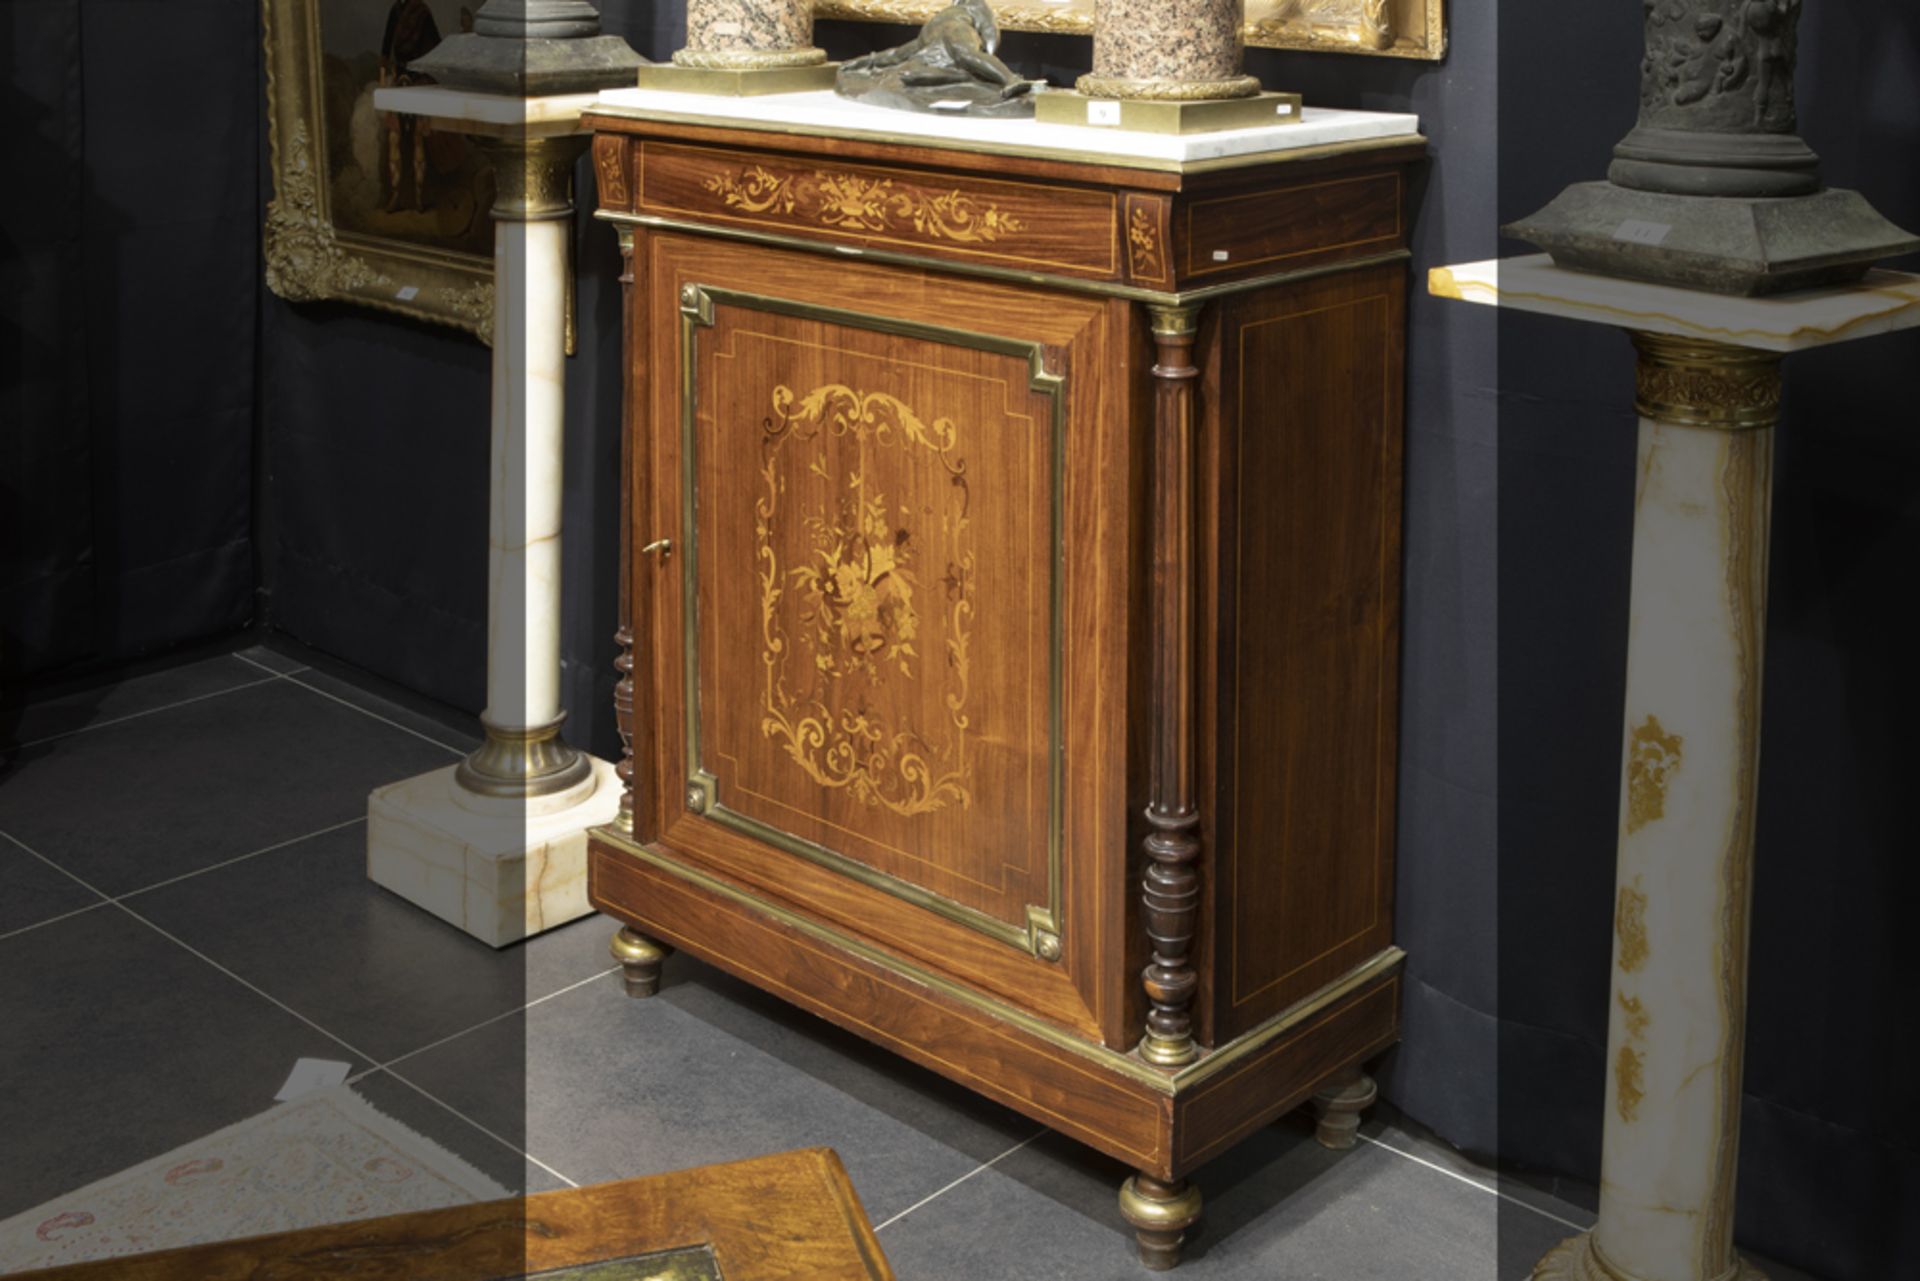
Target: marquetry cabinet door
x: 889, y: 533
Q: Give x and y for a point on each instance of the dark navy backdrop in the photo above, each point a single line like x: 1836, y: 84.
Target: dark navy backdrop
x: 184, y: 453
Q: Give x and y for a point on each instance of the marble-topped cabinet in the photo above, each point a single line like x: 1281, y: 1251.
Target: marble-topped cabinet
x: 1011, y: 599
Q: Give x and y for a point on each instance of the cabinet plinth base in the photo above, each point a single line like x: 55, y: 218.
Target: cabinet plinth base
x: 1163, y: 1122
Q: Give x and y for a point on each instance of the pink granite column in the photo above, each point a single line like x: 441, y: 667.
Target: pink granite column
x: 1172, y: 50
x: 744, y: 35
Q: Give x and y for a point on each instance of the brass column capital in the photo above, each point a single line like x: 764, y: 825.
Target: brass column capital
x: 1690, y: 382
x: 533, y: 175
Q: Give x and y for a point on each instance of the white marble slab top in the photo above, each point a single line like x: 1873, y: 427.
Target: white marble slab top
x: 824, y: 112
x: 1885, y: 302
x: 487, y: 112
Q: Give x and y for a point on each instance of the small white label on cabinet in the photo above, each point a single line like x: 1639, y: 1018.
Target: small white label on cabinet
x: 408, y: 294
x: 1103, y: 113
x: 1285, y: 109
x: 951, y: 104
x: 1219, y: 255
x: 1636, y: 232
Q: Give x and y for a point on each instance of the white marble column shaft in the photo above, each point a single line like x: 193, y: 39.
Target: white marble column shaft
x: 497, y: 845
x: 529, y: 423
x: 1708, y: 386
x: 1684, y: 877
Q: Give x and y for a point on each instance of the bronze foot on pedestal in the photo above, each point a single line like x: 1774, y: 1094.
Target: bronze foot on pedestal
x: 640, y: 959
x: 1339, y: 1105
x: 1160, y: 1212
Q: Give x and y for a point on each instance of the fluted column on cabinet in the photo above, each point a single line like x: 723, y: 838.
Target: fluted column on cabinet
x: 1171, y: 893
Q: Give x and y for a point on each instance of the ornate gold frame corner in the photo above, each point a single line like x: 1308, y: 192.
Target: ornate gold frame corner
x: 308, y: 258
x: 1414, y: 29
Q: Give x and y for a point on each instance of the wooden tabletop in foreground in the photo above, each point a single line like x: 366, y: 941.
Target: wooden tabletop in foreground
x: 793, y: 1215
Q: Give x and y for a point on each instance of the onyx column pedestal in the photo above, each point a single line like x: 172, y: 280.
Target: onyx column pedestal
x: 497, y: 844
x: 1708, y: 395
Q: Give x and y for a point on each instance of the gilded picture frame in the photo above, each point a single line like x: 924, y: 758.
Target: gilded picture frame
x: 329, y: 234
x: 1383, y: 28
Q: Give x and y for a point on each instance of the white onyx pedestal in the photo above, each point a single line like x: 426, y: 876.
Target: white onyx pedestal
x: 1708, y: 396
x: 497, y: 844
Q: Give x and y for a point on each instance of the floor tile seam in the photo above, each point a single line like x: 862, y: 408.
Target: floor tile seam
x: 978, y: 1169
x: 502, y: 1140
x: 241, y: 858
x: 55, y: 920
x: 194, y: 951
x: 112, y: 900
x: 153, y: 711
x: 496, y: 1018
x: 257, y: 990
x: 1490, y: 1189
x: 425, y: 738
x: 103, y: 900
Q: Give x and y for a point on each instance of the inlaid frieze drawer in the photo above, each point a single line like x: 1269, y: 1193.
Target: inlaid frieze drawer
x: 1054, y: 228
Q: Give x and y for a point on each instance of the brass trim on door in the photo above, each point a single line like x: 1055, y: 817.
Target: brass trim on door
x: 1042, y: 932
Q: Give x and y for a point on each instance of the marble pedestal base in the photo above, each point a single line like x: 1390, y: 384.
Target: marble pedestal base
x: 501, y: 875
x: 1575, y: 1259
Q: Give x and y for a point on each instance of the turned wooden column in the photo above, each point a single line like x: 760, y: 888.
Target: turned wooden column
x: 623, y: 607
x: 640, y: 955
x: 1171, y: 890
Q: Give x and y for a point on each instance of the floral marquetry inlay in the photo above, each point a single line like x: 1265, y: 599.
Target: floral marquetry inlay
x: 1143, y: 245
x: 859, y: 597
x: 855, y: 202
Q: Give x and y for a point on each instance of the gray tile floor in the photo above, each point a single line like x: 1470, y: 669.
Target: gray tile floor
x: 183, y: 913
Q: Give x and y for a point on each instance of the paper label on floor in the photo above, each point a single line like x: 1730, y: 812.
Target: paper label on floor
x: 309, y: 1075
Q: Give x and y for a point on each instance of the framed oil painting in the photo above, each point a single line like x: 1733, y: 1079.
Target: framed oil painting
x: 1385, y: 28
x: 371, y: 207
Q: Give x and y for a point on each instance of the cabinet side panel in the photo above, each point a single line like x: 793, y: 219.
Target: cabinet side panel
x: 1311, y: 663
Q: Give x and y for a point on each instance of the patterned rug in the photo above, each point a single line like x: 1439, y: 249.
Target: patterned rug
x: 326, y: 1157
